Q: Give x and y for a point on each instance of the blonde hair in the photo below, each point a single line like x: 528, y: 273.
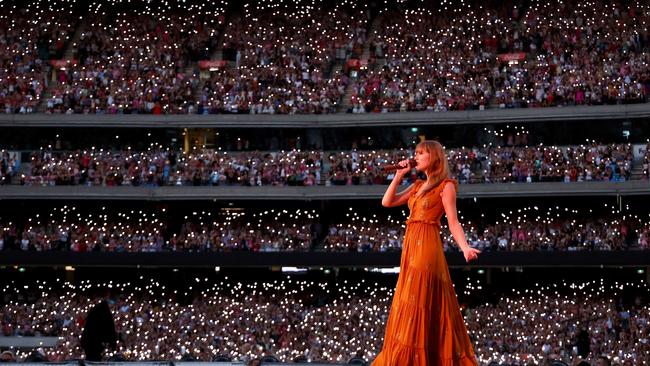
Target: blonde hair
x: 439, y: 168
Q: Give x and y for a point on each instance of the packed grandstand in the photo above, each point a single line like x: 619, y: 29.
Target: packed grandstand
x: 307, y: 57
x: 209, y: 167
x: 312, y: 320
x: 518, y: 229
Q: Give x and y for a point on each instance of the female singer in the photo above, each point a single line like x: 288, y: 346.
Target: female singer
x: 425, y: 326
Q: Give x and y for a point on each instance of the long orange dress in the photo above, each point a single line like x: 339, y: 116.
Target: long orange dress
x: 425, y: 326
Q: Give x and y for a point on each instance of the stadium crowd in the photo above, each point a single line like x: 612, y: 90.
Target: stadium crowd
x: 530, y: 229
x: 499, y: 164
x: 283, y: 59
x: 295, y: 58
x: 9, y: 165
x: 325, y: 321
x: 29, y: 36
x: 548, y: 53
x: 138, y: 231
x: 167, y: 167
x: 138, y: 63
x: 201, y: 167
x: 646, y: 162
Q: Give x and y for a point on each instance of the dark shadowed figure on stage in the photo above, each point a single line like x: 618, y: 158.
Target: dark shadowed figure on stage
x: 99, y: 332
x: 425, y: 326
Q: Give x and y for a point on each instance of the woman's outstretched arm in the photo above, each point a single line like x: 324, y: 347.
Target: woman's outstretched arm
x: 449, y: 203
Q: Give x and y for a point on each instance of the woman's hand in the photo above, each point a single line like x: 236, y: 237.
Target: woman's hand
x: 470, y: 253
x: 406, y: 167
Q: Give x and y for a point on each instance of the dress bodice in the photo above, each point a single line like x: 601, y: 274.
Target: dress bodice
x: 428, y: 208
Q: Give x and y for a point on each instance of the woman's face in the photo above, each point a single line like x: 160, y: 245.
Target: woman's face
x: 423, y: 159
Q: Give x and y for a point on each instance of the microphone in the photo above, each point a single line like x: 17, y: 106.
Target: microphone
x: 393, y: 167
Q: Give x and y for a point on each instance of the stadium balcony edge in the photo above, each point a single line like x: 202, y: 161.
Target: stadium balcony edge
x: 558, y: 114
x: 320, y: 259
x: 360, y: 192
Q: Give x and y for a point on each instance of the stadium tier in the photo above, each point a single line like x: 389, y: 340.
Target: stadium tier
x: 165, y: 167
x: 537, y: 228
x: 307, y: 318
x: 319, y: 57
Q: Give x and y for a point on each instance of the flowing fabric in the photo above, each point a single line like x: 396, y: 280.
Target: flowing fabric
x: 425, y: 326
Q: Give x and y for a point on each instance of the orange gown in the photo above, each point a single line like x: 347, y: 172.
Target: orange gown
x: 425, y: 326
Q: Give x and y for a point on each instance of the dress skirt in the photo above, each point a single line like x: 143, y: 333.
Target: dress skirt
x: 425, y: 326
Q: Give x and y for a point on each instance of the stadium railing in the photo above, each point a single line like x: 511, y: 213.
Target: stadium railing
x: 317, y: 259
x: 353, y: 192
x: 559, y: 114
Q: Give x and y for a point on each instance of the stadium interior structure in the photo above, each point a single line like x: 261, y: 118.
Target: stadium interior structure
x: 212, y: 172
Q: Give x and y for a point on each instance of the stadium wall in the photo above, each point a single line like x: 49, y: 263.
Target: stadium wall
x: 563, y: 114
x: 360, y: 192
x: 321, y: 259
